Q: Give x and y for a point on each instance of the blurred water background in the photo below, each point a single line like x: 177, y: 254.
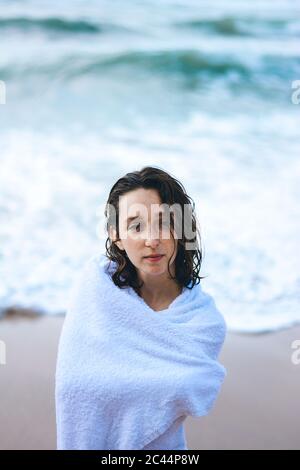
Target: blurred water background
x: 200, y: 88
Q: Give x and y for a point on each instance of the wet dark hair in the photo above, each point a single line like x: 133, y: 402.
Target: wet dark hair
x: 171, y: 191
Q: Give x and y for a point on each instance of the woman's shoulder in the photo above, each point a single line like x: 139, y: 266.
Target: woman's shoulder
x: 212, y: 312
x: 87, y: 275
x: 101, y: 262
x: 95, y: 263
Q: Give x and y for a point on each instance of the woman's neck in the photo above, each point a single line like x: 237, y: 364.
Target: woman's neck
x: 159, y: 295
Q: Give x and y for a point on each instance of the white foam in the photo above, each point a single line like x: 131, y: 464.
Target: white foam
x: 249, y: 219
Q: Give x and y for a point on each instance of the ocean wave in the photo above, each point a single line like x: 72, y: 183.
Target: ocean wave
x: 178, y: 63
x: 58, y: 25
x: 182, y: 62
x: 227, y: 26
x: 230, y: 26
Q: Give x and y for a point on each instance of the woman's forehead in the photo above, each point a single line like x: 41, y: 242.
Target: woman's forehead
x: 139, y: 196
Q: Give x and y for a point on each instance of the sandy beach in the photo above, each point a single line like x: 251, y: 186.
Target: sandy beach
x: 258, y: 407
x: 204, y: 98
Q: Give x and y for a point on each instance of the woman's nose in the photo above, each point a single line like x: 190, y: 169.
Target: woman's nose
x: 152, y: 241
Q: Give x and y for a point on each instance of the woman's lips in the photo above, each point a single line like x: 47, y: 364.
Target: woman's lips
x: 154, y: 259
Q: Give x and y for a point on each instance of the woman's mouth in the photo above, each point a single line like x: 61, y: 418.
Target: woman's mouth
x: 154, y: 258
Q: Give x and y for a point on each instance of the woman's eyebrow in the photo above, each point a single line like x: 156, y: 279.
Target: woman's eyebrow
x: 132, y: 218
x: 129, y: 219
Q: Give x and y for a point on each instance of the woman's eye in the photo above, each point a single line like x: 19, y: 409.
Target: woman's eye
x: 138, y: 226
x: 135, y: 226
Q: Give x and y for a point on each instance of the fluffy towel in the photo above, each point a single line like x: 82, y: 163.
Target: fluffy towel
x: 126, y: 372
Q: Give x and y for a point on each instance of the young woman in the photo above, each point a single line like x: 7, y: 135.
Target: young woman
x: 139, y: 347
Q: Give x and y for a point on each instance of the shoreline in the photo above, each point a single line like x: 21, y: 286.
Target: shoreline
x: 16, y: 312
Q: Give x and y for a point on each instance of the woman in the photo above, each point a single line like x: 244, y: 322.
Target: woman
x: 139, y: 347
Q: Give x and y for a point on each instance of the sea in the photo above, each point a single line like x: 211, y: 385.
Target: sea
x: 91, y: 90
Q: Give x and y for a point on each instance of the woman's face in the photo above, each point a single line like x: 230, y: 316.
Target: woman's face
x: 143, y: 232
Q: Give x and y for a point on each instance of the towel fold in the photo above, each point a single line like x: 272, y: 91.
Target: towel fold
x: 125, y: 372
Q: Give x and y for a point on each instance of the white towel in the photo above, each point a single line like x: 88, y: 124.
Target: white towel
x: 125, y: 372
x: 172, y: 439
